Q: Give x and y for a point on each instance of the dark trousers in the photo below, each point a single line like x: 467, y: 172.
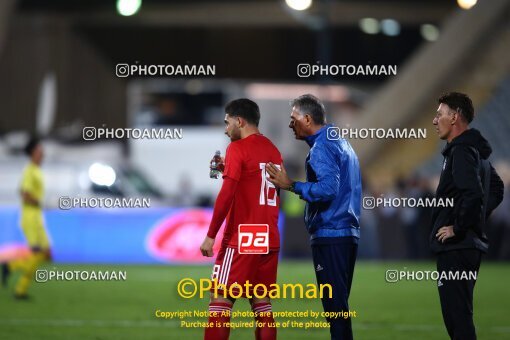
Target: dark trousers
x: 457, y: 295
x: 334, y: 265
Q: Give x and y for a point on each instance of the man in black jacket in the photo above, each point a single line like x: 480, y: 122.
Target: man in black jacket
x: 458, y: 236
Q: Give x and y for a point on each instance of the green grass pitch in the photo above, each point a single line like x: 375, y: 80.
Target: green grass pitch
x: 126, y: 309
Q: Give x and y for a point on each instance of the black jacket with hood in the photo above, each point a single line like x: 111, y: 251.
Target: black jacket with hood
x: 463, y: 179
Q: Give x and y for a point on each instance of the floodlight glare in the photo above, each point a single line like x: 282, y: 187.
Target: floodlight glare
x: 369, y: 25
x: 466, y: 4
x: 429, y: 32
x: 390, y: 27
x: 128, y: 7
x: 299, y: 5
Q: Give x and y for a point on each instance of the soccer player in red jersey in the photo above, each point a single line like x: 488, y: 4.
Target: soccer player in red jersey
x: 246, y: 197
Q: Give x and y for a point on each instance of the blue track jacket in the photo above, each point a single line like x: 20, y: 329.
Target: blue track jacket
x: 333, y: 188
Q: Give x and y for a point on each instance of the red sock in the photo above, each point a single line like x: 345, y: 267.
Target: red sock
x: 265, y: 332
x: 218, y: 331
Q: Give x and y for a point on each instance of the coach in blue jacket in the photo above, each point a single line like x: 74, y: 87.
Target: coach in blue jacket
x: 332, y: 192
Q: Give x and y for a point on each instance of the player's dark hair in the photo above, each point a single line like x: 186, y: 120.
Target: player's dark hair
x: 31, y: 145
x: 244, y: 108
x: 459, y: 102
x: 311, y: 105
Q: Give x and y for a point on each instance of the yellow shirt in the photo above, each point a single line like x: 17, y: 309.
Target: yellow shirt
x: 32, y: 224
x: 33, y: 183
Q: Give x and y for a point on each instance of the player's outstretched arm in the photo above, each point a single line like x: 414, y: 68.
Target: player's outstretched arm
x: 221, y: 208
x: 323, y: 190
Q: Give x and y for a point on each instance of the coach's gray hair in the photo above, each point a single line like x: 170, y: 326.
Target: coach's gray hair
x: 311, y: 105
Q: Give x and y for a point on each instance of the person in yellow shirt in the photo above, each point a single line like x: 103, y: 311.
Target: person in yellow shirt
x: 32, y: 193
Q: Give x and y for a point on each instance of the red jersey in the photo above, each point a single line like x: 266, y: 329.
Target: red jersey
x: 256, y: 200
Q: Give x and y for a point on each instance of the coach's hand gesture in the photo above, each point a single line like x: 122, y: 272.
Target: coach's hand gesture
x: 207, y: 247
x: 278, y: 177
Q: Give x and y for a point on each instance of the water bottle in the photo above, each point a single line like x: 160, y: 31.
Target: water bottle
x: 216, y: 166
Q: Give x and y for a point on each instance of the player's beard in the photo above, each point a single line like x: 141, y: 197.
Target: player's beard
x: 235, y: 134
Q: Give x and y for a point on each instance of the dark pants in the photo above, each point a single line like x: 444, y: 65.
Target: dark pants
x: 457, y: 295
x: 334, y: 265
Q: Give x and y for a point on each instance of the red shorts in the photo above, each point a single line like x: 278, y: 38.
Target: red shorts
x: 231, y: 267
